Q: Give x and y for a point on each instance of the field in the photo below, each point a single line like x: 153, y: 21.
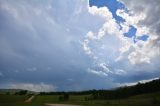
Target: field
x: 152, y: 99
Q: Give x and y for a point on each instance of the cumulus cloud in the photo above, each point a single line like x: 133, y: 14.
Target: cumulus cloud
x: 109, y: 26
x: 147, y: 23
x: 108, y: 43
x: 149, y: 8
x: 130, y: 18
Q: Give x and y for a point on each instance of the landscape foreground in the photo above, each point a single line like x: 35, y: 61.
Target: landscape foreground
x: 147, y: 94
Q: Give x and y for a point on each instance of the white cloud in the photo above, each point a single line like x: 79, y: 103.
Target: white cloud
x: 147, y: 7
x: 125, y: 27
x: 131, y: 18
x: 86, y: 47
x: 144, y: 53
x: 108, y: 42
x: 104, y: 67
x: 33, y: 87
x: 103, y: 12
x: 109, y: 26
x: 141, y: 81
x: 96, y: 72
x: 120, y: 72
x: 138, y: 57
x: 90, y: 35
x: 146, y: 20
x: 143, y: 30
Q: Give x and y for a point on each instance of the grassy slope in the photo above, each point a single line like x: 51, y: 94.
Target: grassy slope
x: 152, y: 99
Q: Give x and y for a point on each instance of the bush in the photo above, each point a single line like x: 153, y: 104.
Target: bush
x: 22, y: 92
x: 65, y: 97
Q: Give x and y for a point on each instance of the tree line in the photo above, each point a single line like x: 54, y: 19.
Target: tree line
x: 127, y: 91
x: 118, y: 93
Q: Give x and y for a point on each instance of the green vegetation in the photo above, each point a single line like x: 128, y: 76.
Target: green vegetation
x: 152, y: 99
x: 64, y: 97
x: 11, y: 98
x: 147, y: 94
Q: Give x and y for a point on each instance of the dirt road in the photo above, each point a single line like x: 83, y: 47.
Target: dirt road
x: 30, y: 99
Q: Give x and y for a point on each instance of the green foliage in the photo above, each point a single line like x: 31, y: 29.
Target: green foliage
x: 22, y: 92
x: 127, y: 91
x: 65, y: 97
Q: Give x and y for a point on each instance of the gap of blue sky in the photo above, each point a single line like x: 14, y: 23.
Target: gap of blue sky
x: 144, y: 37
x: 112, y: 5
x: 131, y: 33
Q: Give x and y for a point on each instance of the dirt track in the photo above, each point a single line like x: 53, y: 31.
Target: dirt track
x: 30, y: 99
x: 60, y: 105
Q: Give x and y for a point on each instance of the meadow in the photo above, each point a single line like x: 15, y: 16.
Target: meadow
x: 151, y: 99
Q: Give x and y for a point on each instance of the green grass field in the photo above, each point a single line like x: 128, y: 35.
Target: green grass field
x: 11, y: 98
x: 152, y: 99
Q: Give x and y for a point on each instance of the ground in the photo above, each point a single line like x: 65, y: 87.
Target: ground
x: 152, y: 99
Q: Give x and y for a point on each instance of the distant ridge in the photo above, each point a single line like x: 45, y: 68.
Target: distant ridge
x: 13, y: 91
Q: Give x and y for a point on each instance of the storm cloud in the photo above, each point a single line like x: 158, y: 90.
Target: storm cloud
x: 66, y: 45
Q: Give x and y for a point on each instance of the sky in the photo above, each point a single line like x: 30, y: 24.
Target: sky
x: 73, y: 45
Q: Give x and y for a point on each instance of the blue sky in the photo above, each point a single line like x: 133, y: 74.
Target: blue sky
x: 112, y: 5
x: 52, y: 46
